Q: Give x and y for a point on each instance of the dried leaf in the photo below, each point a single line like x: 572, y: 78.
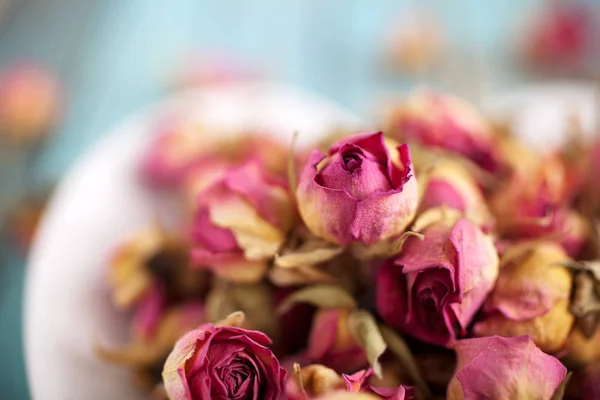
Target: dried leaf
x: 559, y: 393
x: 441, y: 214
x: 235, y: 319
x: 307, y: 258
x: 364, y: 328
x: 322, y: 296
x: 283, y: 277
x: 291, y: 167
x: 297, y: 373
x: 383, y: 249
x: 400, y: 349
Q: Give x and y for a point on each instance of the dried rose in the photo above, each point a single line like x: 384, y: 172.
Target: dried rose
x: 446, y: 122
x: 332, y: 344
x: 504, y: 368
x: 531, y: 297
x: 150, y: 258
x: 359, y: 382
x: 30, y: 102
x: 449, y: 184
x: 223, y: 362
x: 362, y: 191
x: 433, y: 289
x: 561, y: 38
x: 534, y: 204
x: 240, y: 223
x: 183, y: 143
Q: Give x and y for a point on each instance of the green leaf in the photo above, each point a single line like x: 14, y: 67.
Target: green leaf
x: 364, y: 328
x: 322, y: 296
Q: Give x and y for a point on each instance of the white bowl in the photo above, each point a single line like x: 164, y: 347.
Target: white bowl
x: 101, y: 200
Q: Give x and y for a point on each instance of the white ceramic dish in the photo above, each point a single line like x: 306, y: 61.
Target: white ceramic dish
x: 100, y: 201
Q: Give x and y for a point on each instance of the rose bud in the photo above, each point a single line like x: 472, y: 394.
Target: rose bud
x: 29, y: 102
x: 497, y: 368
x: 433, y: 289
x: 223, y: 362
x: 240, y: 223
x: 362, y: 191
x: 531, y: 297
x: 332, y: 344
x: 534, y: 204
x: 449, y: 184
x: 448, y: 123
x: 359, y: 382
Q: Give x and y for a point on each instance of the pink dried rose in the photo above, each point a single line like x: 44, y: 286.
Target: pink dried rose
x: 531, y: 297
x: 561, y: 38
x: 317, y: 381
x: 445, y: 122
x: 433, y: 289
x: 534, y: 204
x: 359, y: 382
x: 363, y: 190
x: 449, y: 184
x: 499, y: 368
x: 184, y: 144
x: 332, y: 344
x: 153, y: 261
x: 223, y: 362
x: 30, y: 102
x: 240, y: 223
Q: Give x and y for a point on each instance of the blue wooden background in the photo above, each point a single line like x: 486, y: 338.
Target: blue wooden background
x: 114, y: 56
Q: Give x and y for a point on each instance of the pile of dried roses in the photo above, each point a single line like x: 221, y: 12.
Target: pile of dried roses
x: 440, y: 268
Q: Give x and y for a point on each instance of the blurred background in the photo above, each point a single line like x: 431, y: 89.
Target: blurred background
x: 71, y: 69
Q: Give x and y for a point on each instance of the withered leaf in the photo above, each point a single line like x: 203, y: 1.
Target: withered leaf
x: 308, y: 258
x: 400, y: 349
x: 364, y: 328
x: 297, y: 373
x: 383, y: 249
x: 322, y: 296
x: 235, y: 319
x: 283, y: 277
x: 559, y: 393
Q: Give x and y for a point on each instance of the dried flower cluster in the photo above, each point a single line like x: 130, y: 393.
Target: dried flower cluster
x: 440, y: 258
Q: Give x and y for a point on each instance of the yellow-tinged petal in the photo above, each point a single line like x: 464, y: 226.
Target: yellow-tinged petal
x: 258, y: 238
